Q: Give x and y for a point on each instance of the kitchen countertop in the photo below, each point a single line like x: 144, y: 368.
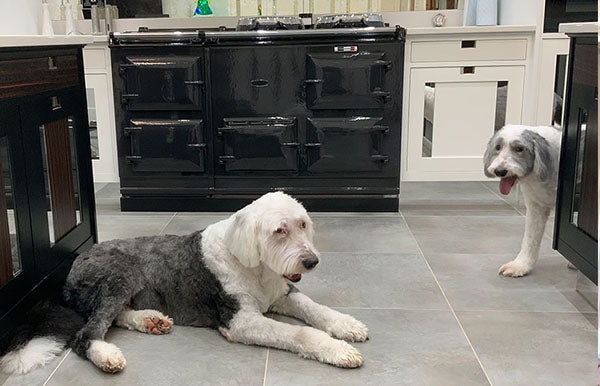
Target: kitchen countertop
x: 41, y: 40
x: 578, y: 28
x: 469, y: 29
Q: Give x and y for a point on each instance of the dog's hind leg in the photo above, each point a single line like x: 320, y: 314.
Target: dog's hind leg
x: 111, y: 296
x: 148, y: 321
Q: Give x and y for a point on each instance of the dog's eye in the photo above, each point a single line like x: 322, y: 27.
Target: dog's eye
x: 303, y: 225
x: 498, y: 147
x: 519, y: 149
x: 279, y: 230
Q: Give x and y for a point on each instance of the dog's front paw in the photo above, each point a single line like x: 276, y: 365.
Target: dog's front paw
x: 349, y: 329
x: 341, y: 354
x: 515, y: 268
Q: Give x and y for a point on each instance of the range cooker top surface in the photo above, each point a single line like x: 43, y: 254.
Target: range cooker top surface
x: 273, y: 23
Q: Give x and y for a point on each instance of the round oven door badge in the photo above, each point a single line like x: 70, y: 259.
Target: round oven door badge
x: 439, y: 20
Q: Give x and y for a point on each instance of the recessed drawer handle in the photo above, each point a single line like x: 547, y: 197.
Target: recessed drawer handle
x: 291, y: 144
x: 467, y: 70
x: 380, y: 158
x: 312, y: 144
x: 225, y: 158
x: 259, y: 82
x: 193, y: 82
x: 197, y: 145
x: 468, y: 44
x: 52, y: 63
x: 313, y: 81
x: 55, y: 103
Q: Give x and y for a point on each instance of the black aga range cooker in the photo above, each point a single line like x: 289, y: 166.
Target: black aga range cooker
x: 209, y: 120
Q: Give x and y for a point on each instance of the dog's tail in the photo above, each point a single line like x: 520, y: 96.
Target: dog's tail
x: 48, y: 328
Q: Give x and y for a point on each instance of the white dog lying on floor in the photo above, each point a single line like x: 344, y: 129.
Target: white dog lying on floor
x: 528, y: 156
x: 225, y: 277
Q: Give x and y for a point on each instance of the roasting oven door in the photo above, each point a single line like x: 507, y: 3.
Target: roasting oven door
x: 162, y: 82
x: 259, y: 144
x: 345, y: 145
x: 346, y: 80
x: 166, y: 146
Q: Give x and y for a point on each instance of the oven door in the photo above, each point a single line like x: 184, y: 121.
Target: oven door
x: 162, y: 82
x: 164, y: 146
x: 345, y: 145
x: 259, y: 144
x: 346, y: 80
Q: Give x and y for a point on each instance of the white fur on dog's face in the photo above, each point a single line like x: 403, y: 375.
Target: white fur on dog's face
x: 274, y: 230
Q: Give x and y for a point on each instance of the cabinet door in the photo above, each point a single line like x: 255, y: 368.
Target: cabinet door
x: 16, y: 256
x: 576, y: 234
x: 58, y: 164
x: 453, y: 112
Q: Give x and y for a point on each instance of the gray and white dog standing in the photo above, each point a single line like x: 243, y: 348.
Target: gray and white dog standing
x: 528, y: 156
x: 225, y: 277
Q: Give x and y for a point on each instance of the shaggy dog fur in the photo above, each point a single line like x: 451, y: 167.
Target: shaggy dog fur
x: 528, y: 156
x: 225, y: 277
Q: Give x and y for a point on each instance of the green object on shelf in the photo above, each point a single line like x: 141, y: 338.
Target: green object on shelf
x: 203, y: 8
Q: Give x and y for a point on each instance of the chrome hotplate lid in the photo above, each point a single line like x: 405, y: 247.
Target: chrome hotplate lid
x: 269, y: 23
x: 350, y: 20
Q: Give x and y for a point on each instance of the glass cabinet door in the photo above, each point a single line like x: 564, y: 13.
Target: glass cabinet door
x: 16, y: 257
x: 58, y: 135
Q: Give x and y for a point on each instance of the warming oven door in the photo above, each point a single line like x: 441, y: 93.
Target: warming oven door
x: 259, y: 144
x: 346, y: 145
x: 162, y: 82
x: 166, y: 146
x: 346, y: 80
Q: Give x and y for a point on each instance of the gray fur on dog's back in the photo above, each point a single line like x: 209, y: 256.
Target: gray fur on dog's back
x: 165, y: 273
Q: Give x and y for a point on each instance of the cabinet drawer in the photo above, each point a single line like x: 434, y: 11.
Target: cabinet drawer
x: 468, y: 50
x: 22, y: 77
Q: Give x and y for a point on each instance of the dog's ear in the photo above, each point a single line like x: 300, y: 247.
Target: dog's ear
x: 241, y: 238
x: 543, y: 163
x: 488, y: 156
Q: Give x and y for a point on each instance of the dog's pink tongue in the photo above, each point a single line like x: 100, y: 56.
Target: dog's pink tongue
x: 506, y: 184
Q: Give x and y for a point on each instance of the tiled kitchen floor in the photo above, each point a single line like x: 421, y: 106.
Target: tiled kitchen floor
x: 425, y: 282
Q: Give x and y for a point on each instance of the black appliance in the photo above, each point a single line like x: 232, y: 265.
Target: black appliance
x: 576, y: 219
x: 569, y: 11
x: 209, y: 120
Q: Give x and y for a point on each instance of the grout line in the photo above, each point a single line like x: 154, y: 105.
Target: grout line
x: 167, y: 224
x: 60, y: 363
x: 462, y: 310
x: 266, y: 367
x: 451, y: 308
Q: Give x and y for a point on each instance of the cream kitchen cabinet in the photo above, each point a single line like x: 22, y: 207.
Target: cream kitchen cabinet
x: 459, y: 89
x: 99, y: 90
x: 453, y: 111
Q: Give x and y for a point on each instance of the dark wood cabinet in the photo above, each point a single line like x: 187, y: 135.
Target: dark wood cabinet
x: 576, y: 224
x: 46, y: 192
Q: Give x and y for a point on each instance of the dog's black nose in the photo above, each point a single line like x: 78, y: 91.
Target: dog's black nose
x: 500, y: 172
x: 310, y: 263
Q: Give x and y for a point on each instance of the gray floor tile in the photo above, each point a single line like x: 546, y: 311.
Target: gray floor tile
x: 471, y: 282
x: 122, y: 227
x: 404, y: 348
x: 373, y: 280
x: 187, y: 356
x: 36, y: 377
x: 363, y: 233
x: 473, y: 234
x: 183, y: 224
x: 521, y: 348
x: 451, y: 198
